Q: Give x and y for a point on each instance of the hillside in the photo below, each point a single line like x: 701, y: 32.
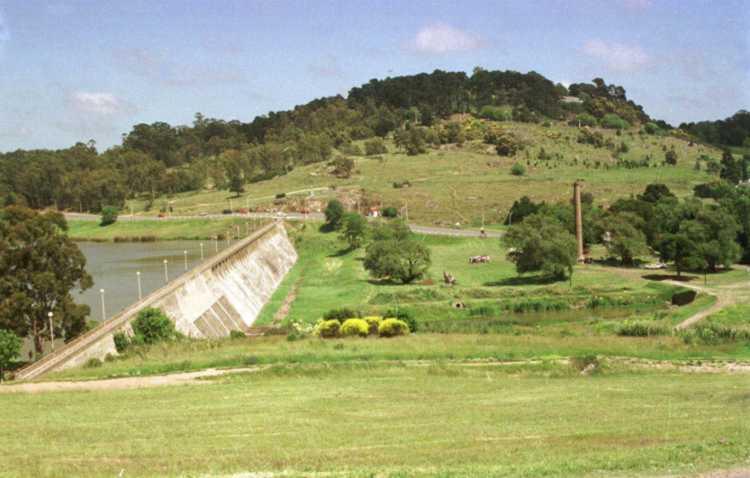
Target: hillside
x: 459, y: 183
x: 160, y: 159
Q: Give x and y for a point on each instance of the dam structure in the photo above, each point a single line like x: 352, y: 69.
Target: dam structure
x: 222, y: 294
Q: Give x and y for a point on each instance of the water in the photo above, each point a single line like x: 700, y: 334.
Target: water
x: 113, y: 267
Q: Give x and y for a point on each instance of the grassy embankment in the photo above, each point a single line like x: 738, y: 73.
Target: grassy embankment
x: 390, y: 421
x: 162, y: 230
x: 460, y: 184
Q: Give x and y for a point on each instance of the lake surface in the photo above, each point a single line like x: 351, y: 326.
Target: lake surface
x: 113, y: 266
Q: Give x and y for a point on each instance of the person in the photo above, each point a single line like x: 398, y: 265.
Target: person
x: 482, y: 234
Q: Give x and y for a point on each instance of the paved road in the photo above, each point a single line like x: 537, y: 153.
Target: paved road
x: 292, y: 216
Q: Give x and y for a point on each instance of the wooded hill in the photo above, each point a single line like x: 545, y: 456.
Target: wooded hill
x: 156, y: 159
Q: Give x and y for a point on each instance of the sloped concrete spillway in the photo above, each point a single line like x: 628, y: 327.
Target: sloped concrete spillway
x: 223, y: 294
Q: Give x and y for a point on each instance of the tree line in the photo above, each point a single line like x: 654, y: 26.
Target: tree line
x: 161, y: 159
x: 693, y: 234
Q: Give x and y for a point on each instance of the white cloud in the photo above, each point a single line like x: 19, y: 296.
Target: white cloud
x: 440, y: 38
x: 98, y: 103
x: 616, y: 56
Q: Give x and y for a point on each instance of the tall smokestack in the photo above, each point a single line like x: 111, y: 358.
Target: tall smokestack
x: 577, y: 186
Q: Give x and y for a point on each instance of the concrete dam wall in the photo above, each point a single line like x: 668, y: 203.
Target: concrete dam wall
x: 225, y: 293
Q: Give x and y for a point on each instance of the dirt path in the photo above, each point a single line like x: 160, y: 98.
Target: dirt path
x: 725, y: 296
x: 186, y: 378
x: 283, y: 311
x: 197, y: 378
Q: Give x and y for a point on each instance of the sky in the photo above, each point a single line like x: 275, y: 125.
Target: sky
x: 79, y: 70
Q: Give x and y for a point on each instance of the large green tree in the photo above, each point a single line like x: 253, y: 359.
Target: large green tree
x: 625, y: 238
x: 354, y: 230
x: 541, y: 244
x: 39, y: 266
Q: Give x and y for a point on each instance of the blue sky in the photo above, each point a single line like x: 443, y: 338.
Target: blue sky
x: 80, y: 70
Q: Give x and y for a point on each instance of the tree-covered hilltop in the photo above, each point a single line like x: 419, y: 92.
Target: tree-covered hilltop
x: 732, y: 131
x: 158, y: 159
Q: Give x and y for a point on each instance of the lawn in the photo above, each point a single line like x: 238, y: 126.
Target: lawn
x: 390, y: 421
x: 326, y: 277
x: 233, y: 353
x: 162, y: 229
x: 464, y: 184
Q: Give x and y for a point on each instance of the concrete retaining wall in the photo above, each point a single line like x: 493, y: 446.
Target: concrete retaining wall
x: 223, y: 294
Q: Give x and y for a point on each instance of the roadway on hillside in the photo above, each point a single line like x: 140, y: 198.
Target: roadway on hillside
x: 292, y: 216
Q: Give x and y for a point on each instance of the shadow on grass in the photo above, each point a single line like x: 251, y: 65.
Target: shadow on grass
x: 523, y: 280
x: 342, y: 252
x: 661, y: 277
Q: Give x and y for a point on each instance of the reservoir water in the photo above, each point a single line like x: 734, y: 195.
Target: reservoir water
x: 114, y: 267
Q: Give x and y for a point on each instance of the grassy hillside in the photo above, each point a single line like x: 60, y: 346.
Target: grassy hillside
x: 461, y: 183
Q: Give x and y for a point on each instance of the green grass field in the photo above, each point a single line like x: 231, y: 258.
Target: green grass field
x: 365, y: 420
x: 461, y: 184
x: 163, y: 230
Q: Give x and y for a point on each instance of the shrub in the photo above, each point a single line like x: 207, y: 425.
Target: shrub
x: 670, y: 157
x: 585, y: 119
x: 109, y: 215
x: 226, y: 211
x: 280, y: 195
x: 352, y: 327
x: 641, y: 329
x: 506, y: 143
x: 406, y: 316
x: 340, y: 314
x: 496, y: 113
x: 10, y: 348
x: 612, y: 121
x: 375, y: 146
x: 390, y: 212
x: 517, y: 169
x: 392, y: 327
x: 373, y: 322
x: 237, y: 334
x: 122, y: 341
x: 92, y: 363
x: 594, y: 138
x: 153, y: 326
x: 328, y: 329
x: 581, y: 363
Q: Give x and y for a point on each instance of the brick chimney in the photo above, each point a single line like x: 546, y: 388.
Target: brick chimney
x: 577, y: 186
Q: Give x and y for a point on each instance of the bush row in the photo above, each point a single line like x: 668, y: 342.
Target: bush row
x: 361, y: 327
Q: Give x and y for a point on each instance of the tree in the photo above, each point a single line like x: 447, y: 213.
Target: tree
x: 343, y: 166
x: 405, y: 260
x: 541, y: 243
x: 732, y: 171
x: 354, y: 230
x: 375, y: 146
x: 10, y: 347
x: 521, y: 209
x: 109, y: 215
x: 683, y: 250
x: 39, y: 266
x: 334, y: 214
x: 626, y: 240
x: 655, y: 192
x: 670, y: 157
